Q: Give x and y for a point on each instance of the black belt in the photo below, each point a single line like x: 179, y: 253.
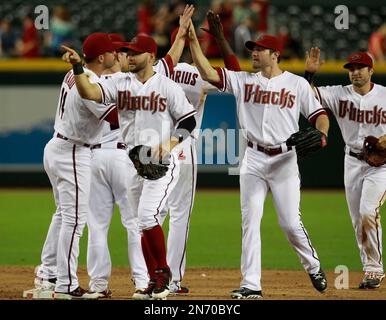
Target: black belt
x: 359, y: 156
x: 58, y: 135
x: 120, y: 145
x: 268, y: 151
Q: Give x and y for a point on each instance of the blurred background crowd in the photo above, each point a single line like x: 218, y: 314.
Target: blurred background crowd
x: 299, y: 26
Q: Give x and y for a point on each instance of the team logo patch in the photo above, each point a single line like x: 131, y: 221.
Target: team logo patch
x: 181, y: 155
x: 356, y: 57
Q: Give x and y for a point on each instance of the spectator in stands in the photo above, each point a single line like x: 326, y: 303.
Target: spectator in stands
x: 292, y: 48
x: 245, y: 31
x: 8, y: 39
x: 224, y: 9
x: 377, y: 44
x: 261, y: 7
x: 61, y: 32
x: 146, y: 11
x: 241, y: 11
x: 29, y: 45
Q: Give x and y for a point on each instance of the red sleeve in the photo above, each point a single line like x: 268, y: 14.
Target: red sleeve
x: 232, y: 63
x: 221, y: 84
x: 169, y: 67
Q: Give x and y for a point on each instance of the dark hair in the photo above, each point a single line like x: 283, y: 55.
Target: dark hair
x: 89, y: 60
x: 272, y: 51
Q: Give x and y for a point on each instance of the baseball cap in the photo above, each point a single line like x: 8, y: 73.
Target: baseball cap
x: 118, y: 41
x: 116, y: 37
x: 362, y: 58
x: 141, y: 44
x: 96, y: 44
x: 265, y: 41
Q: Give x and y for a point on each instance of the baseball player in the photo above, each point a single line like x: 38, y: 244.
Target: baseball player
x: 67, y: 161
x: 163, y: 119
x: 359, y: 109
x: 109, y: 185
x: 180, y: 201
x: 115, y: 180
x: 269, y: 104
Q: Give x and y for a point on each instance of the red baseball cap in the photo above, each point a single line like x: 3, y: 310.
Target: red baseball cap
x: 362, y: 58
x: 265, y: 41
x: 142, y: 43
x: 118, y: 40
x: 97, y: 44
x: 116, y: 37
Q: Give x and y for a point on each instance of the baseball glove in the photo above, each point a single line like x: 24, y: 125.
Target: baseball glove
x: 140, y: 156
x: 307, y: 141
x: 374, y: 153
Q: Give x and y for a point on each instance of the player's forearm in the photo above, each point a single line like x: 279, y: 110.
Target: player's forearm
x: 206, y: 70
x: 323, y: 124
x: 177, y: 48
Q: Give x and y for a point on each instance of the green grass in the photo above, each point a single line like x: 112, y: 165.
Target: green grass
x: 215, y: 231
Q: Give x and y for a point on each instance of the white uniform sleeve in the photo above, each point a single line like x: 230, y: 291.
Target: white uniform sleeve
x: 309, y: 105
x: 229, y: 81
x: 109, y: 89
x: 329, y: 96
x: 100, y: 110
x: 164, y: 66
x: 179, y: 106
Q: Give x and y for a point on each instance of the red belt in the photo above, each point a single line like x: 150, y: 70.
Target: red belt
x: 120, y: 145
x: 58, y: 135
x: 268, y: 151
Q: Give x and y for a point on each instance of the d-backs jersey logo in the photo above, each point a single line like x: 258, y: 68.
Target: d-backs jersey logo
x: 153, y: 103
x: 374, y: 116
x: 282, y: 98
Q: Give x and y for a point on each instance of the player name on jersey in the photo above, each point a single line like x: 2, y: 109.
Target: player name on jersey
x: 152, y: 103
x: 185, y: 77
x: 375, y: 116
x: 282, y: 98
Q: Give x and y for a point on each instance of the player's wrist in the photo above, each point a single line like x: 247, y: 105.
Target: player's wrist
x: 309, y: 76
x: 77, y: 68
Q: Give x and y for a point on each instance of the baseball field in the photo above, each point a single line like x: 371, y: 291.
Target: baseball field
x: 214, y: 246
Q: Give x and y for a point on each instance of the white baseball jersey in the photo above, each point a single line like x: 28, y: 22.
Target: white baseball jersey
x: 76, y: 118
x: 158, y: 106
x: 195, y: 88
x: 269, y: 109
x: 357, y: 116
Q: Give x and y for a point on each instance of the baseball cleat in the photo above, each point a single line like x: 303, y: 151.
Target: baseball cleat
x: 245, y: 293
x: 371, y: 280
x: 319, y: 280
x: 161, y: 289
x: 145, y: 294
x: 93, y: 295
x: 179, y: 291
x: 78, y: 293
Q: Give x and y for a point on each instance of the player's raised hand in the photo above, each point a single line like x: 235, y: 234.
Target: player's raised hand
x: 215, y: 25
x: 192, y: 32
x: 185, y: 19
x: 313, y: 61
x: 70, y: 56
